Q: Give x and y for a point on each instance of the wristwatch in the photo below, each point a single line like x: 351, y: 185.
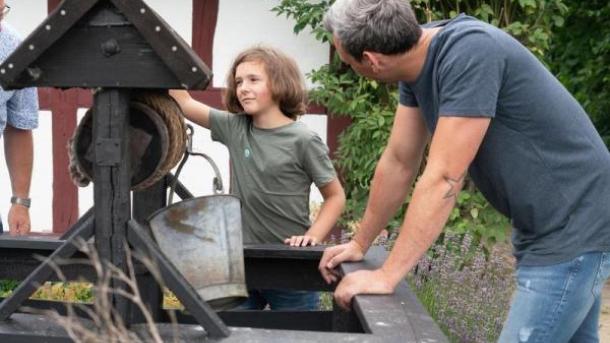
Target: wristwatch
x: 21, y: 201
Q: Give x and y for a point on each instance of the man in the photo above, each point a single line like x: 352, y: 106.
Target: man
x: 18, y: 116
x: 491, y: 109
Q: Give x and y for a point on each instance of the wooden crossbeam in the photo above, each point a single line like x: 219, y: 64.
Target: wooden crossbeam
x: 140, y: 239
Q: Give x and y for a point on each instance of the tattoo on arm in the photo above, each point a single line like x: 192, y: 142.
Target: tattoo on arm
x: 454, y: 186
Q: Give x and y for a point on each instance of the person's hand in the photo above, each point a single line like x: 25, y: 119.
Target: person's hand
x: 362, y: 282
x: 18, y: 220
x: 333, y: 256
x: 301, y: 241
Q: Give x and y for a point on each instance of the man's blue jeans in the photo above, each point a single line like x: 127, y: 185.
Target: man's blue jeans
x: 280, y: 299
x: 558, y: 303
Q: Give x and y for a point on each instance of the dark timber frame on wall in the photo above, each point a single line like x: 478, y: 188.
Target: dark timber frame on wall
x: 115, y: 47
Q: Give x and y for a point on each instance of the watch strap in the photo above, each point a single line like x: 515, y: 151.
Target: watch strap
x: 21, y: 201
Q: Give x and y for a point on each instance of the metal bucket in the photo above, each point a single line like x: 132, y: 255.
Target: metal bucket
x: 202, y: 237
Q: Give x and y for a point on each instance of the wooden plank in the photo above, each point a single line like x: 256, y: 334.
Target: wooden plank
x: 168, y: 45
x: 31, y: 328
x: 403, y: 317
x: 296, y: 274
x: 205, y: 316
x: 44, y: 98
x: 205, y: 17
x: 112, y: 195
x: 27, y: 328
x: 65, y: 195
x: 345, y: 321
x: 57, y: 306
x: 18, y: 265
x: 33, y: 242
x: 43, y: 37
x: 44, y: 271
x: 190, y: 333
x: 77, y: 60
x: 145, y: 203
x: 280, y: 320
x: 283, y: 251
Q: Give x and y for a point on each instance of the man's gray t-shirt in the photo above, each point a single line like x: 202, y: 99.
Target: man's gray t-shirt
x: 541, y: 163
x: 272, y: 171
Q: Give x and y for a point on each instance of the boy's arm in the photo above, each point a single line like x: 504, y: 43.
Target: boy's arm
x: 195, y: 111
x: 334, y: 202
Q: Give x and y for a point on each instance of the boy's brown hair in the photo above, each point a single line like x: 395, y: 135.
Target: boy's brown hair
x: 285, y: 81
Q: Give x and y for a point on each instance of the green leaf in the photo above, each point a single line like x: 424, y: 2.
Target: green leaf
x: 474, y: 213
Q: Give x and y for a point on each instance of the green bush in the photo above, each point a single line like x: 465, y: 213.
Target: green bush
x: 580, y: 57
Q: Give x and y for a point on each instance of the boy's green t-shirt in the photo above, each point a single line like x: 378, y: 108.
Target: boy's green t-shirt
x: 272, y: 171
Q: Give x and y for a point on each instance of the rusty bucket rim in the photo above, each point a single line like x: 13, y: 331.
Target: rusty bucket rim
x: 181, y: 202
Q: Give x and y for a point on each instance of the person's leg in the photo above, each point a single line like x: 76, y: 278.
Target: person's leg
x: 552, y: 302
x: 255, y: 301
x: 281, y: 299
x: 589, y: 329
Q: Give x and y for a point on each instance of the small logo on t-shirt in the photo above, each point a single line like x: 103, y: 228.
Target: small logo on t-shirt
x: 247, y: 152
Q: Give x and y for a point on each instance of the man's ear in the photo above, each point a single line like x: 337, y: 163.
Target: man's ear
x: 371, y: 59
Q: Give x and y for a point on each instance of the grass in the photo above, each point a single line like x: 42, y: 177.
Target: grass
x: 75, y: 292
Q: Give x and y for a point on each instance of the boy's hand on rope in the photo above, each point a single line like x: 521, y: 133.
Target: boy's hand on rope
x: 301, y: 241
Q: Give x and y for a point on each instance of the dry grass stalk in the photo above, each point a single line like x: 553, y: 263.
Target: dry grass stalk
x: 105, y: 324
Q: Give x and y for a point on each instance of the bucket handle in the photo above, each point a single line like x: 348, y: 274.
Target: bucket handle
x: 217, y: 184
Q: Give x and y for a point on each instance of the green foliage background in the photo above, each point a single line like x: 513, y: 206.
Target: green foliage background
x: 569, y: 36
x: 580, y: 56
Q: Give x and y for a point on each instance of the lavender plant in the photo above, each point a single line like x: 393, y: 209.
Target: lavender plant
x: 464, y: 288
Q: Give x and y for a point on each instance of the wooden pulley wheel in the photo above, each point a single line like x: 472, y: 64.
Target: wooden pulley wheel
x: 157, y: 140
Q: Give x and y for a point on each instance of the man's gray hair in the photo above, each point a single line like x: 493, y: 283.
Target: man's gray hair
x: 384, y: 26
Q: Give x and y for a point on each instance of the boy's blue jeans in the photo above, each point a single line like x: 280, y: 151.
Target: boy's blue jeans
x: 280, y: 299
x: 558, y: 303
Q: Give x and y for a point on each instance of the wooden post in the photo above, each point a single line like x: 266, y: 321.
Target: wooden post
x: 146, y: 202
x: 112, y: 183
x: 64, y: 105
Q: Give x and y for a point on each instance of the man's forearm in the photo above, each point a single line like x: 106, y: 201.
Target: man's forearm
x: 432, y: 202
x: 389, y: 189
x: 19, y: 154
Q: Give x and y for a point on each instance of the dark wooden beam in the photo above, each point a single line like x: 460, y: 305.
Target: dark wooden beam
x: 112, y: 196
x: 146, y: 202
x: 176, y: 54
x: 141, y: 240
